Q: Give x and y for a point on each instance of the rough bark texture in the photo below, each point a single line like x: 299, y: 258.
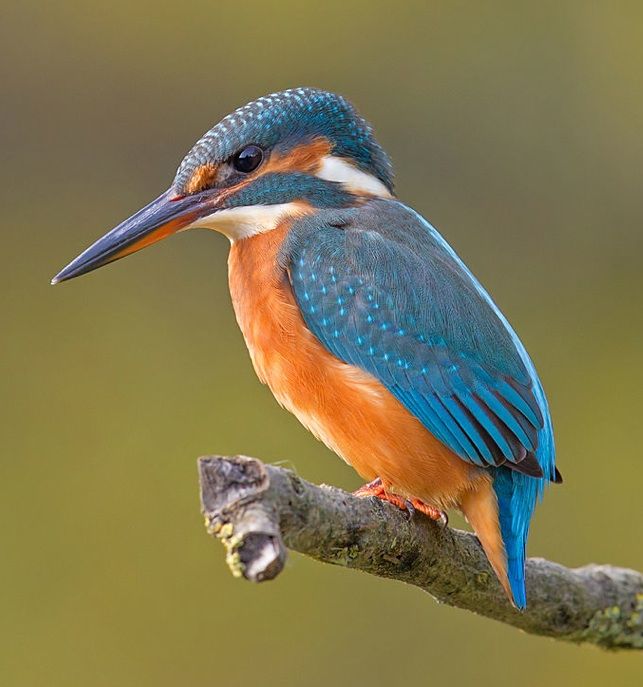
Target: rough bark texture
x: 259, y: 510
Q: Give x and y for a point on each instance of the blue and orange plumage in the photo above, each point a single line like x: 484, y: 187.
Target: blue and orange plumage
x: 360, y: 317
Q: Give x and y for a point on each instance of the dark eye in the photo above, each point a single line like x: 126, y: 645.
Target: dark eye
x: 248, y: 159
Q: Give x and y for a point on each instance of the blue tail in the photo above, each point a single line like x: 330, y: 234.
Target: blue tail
x: 515, y: 507
x: 517, y: 495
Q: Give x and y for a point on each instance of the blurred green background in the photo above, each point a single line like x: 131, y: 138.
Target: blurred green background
x: 515, y: 128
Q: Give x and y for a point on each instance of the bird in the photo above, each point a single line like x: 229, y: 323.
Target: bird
x: 361, y: 318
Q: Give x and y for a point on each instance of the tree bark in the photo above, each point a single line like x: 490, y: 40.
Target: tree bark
x: 258, y: 510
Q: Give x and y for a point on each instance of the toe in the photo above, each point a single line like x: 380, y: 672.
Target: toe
x: 373, y: 488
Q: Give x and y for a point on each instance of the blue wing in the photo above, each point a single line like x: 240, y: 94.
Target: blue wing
x: 382, y: 290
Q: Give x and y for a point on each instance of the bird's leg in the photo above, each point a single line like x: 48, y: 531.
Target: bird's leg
x: 376, y: 489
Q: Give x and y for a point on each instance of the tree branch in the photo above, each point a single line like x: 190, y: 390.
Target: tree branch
x: 258, y: 510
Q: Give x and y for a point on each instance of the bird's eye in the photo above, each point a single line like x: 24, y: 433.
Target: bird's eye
x: 248, y: 159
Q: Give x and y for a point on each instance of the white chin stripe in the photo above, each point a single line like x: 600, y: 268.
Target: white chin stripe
x: 242, y: 222
x: 354, y: 180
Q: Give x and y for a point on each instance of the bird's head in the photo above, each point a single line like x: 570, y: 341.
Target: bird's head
x: 281, y: 155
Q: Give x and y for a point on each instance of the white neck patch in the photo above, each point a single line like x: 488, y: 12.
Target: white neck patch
x: 353, y: 179
x: 248, y: 220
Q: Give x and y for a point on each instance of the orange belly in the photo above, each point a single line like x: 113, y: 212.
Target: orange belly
x: 345, y: 407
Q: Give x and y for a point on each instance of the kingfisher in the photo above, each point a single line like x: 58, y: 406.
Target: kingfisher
x: 361, y: 318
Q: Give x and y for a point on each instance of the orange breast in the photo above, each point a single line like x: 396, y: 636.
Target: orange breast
x: 345, y: 407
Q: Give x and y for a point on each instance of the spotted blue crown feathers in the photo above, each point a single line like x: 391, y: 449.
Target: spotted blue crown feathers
x: 284, y: 120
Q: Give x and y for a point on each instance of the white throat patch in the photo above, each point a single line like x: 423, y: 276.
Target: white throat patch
x: 248, y: 220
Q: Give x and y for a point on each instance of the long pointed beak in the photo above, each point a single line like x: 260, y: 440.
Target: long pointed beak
x: 163, y: 217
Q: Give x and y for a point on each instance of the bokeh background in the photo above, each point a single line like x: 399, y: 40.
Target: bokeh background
x: 515, y: 127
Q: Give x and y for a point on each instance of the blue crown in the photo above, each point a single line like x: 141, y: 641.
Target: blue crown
x: 284, y: 120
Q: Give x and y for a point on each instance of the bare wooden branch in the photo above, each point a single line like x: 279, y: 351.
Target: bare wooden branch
x: 258, y: 510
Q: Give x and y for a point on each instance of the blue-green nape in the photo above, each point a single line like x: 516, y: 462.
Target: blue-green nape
x: 285, y: 120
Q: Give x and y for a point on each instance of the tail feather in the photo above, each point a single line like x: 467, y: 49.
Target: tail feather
x: 500, y: 512
x: 515, y: 545
x: 517, y: 496
x: 480, y: 507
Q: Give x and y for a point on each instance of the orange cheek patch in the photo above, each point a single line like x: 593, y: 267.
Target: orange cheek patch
x: 306, y: 158
x: 202, y: 178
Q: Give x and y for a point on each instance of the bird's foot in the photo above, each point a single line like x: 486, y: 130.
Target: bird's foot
x: 376, y: 489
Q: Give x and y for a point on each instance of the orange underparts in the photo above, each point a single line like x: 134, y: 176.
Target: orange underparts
x: 347, y: 408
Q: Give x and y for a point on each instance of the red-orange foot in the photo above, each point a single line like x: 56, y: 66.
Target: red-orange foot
x: 376, y: 489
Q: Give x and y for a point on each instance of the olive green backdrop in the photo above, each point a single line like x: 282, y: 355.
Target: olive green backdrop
x: 515, y: 127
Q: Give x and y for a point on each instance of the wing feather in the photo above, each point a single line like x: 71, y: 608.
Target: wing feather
x: 381, y: 293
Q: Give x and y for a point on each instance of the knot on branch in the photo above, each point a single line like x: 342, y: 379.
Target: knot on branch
x: 237, y: 511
